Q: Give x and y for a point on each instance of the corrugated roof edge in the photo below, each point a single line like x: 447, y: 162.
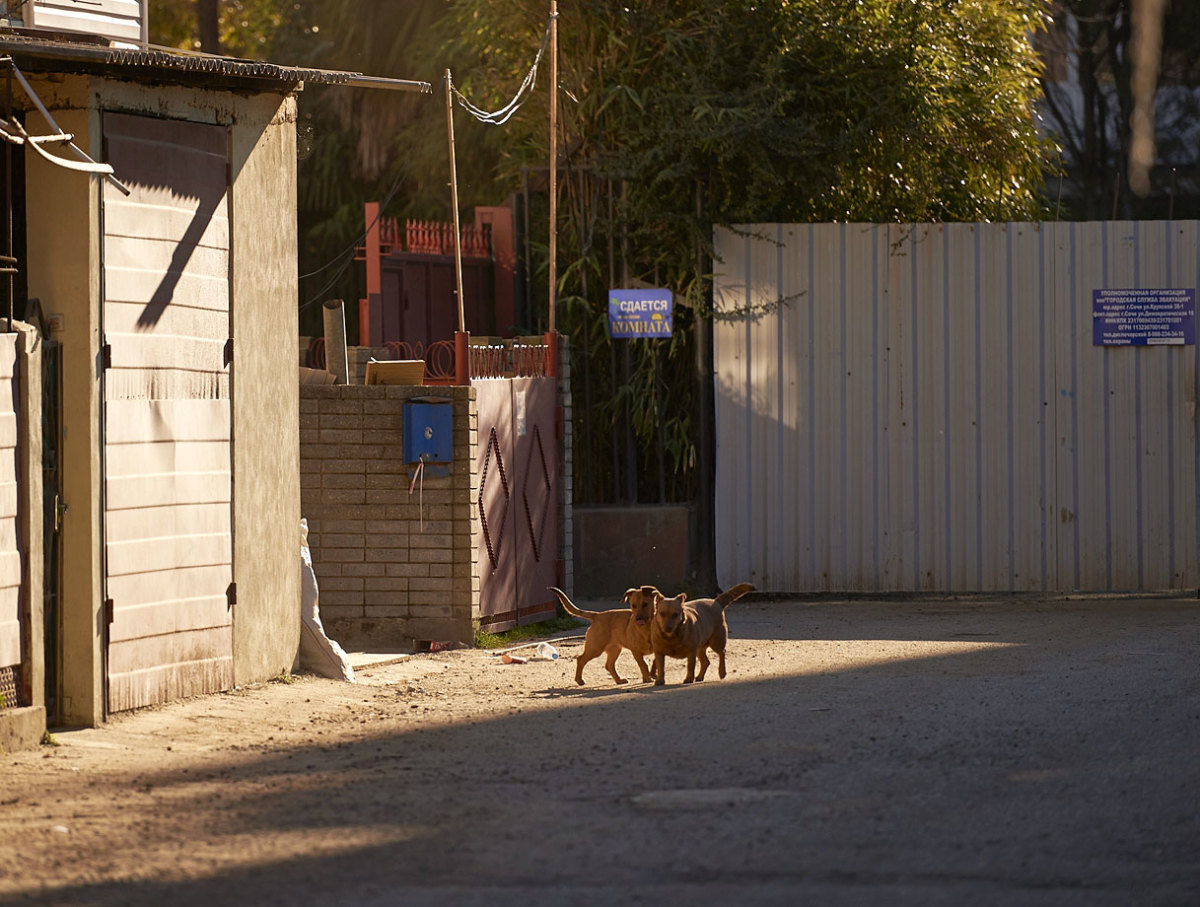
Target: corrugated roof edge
x: 50, y: 49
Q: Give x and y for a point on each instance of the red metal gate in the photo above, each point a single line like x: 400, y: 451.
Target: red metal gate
x: 517, y: 499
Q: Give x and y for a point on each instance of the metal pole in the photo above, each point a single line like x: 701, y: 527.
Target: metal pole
x: 462, y: 344
x: 585, y: 424
x: 612, y: 356
x: 37, y: 102
x: 462, y: 320
x: 10, y: 263
x: 553, y: 157
x: 704, y: 559
x: 336, y: 356
x: 658, y: 417
x: 527, y: 315
x: 374, y: 280
x: 631, y: 446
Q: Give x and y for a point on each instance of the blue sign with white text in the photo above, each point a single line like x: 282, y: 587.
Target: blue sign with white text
x: 1143, y: 317
x: 639, y: 313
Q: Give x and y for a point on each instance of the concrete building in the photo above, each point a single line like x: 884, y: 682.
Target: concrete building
x: 167, y: 292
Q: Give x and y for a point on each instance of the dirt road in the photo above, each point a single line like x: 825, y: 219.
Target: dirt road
x: 932, y: 752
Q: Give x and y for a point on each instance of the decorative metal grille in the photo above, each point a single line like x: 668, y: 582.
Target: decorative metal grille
x: 493, y: 545
x: 541, y: 482
x: 8, y: 689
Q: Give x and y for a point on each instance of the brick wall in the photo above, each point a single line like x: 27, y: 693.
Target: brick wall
x: 392, y: 567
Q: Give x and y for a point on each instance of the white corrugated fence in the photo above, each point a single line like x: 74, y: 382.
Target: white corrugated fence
x: 921, y: 408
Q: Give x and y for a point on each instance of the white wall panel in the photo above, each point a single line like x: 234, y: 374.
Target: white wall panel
x: 121, y: 20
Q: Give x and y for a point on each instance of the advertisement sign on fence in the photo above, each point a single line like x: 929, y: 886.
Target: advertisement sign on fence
x: 639, y: 313
x: 1143, y: 317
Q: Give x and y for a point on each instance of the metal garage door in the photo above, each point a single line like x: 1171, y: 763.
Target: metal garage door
x: 168, y: 478
x: 10, y: 548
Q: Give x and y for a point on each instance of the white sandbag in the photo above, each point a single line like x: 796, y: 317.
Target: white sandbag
x: 318, y: 653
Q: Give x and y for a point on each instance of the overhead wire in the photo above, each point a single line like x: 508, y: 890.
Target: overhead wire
x: 337, y: 275
x: 362, y: 236
x: 346, y: 255
x: 496, y: 118
x: 501, y: 116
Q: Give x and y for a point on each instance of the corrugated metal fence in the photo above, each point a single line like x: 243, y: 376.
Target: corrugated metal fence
x: 921, y: 408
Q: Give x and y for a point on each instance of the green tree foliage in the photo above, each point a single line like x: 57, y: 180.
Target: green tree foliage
x: 676, y: 116
x: 248, y: 29
x: 1088, y: 102
x: 355, y: 145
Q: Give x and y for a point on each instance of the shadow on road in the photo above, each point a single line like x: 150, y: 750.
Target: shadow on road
x: 1044, y: 754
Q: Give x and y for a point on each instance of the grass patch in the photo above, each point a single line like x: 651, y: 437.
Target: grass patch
x: 284, y: 677
x: 485, y: 639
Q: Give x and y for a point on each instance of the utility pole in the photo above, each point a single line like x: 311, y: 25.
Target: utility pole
x: 458, y: 283
x: 462, y: 370
x: 208, y: 24
x: 551, y: 334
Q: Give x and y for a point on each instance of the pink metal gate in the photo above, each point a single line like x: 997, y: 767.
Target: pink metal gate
x: 517, y: 499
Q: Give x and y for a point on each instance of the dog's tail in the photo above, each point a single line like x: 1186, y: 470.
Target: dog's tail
x: 570, y: 607
x: 733, y: 593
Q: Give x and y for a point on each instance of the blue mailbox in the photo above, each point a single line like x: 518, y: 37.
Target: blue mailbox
x: 427, y: 435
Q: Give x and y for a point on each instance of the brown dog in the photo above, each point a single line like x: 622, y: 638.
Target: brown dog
x: 617, y: 629
x: 686, y: 629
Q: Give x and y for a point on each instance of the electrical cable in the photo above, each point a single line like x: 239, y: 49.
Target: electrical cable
x: 496, y: 118
x: 501, y: 116
x: 362, y: 236
x: 318, y: 296
x: 346, y: 256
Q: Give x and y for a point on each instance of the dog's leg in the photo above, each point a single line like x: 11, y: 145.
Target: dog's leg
x: 591, y: 649
x: 611, y: 663
x: 719, y: 640
x: 691, y: 670
x: 647, y: 673
x: 703, y: 658
x: 659, y: 669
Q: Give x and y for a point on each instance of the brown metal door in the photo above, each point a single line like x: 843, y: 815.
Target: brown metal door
x: 167, y: 421
x: 518, y: 499
x: 535, y: 452
x: 494, y: 539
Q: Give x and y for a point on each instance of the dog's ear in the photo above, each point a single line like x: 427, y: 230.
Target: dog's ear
x: 629, y: 593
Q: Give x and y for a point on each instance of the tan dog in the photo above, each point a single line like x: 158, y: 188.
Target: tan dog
x: 686, y: 629
x: 617, y: 629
